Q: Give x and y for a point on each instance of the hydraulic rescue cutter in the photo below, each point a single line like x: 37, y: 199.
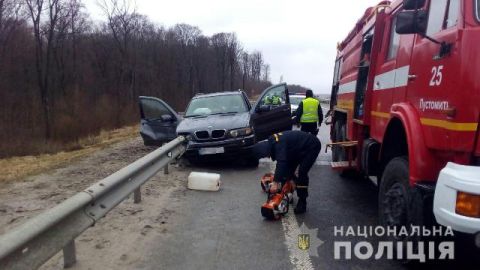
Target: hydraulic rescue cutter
x: 278, y: 201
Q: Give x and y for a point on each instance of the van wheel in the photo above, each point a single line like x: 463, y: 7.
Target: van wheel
x: 338, y: 152
x: 399, y: 204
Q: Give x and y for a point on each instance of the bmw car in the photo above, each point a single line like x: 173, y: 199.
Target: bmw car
x: 217, y: 125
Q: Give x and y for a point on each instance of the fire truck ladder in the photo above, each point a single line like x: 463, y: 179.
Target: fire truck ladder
x: 349, y: 146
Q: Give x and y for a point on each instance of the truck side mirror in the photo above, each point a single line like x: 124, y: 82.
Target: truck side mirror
x: 413, y: 4
x: 412, y: 22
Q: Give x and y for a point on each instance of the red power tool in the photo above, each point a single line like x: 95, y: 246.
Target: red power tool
x: 278, y: 201
x: 265, y: 182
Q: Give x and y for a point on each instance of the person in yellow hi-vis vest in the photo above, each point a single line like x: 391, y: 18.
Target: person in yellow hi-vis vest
x: 310, y: 114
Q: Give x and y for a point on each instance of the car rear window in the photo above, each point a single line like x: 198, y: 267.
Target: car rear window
x: 220, y: 104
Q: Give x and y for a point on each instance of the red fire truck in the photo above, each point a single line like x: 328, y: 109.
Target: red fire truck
x: 405, y: 108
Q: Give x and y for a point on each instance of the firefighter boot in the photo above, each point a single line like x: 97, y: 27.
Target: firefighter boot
x: 301, y: 206
x: 302, y: 193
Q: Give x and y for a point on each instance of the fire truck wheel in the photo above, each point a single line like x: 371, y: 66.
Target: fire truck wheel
x: 338, y: 153
x: 399, y: 204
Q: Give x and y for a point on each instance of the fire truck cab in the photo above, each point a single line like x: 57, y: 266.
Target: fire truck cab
x: 405, y: 108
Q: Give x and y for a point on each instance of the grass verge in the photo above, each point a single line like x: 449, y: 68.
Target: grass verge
x: 16, y: 168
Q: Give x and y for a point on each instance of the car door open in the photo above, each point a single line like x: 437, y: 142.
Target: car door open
x: 158, y: 121
x: 271, y: 113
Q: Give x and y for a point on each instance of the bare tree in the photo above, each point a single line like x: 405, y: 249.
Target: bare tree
x: 119, y: 15
x: 63, y: 77
x: 219, y: 42
x: 245, y: 64
x: 266, y: 73
x: 187, y: 34
x: 188, y: 37
x: 44, y: 33
x: 122, y: 21
x: 256, y: 62
x: 10, y: 19
x: 233, y: 52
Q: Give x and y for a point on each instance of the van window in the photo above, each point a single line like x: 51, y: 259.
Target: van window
x: 453, y: 13
x: 436, y: 16
x: 394, y: 41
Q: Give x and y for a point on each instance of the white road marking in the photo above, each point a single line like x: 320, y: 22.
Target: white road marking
x: 300, y: 259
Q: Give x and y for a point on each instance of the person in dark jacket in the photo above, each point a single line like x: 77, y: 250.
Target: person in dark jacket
x: 291, y: 150
x: 310, y: 114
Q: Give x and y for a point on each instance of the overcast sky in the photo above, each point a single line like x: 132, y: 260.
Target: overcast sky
x: 297, y: 38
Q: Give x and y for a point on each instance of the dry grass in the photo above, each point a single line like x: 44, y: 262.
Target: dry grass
x: 20, y: 167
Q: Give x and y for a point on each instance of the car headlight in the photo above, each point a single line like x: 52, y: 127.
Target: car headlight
x: 241, y: 132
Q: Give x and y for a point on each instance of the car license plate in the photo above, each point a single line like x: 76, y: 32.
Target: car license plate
x: 211, y: 151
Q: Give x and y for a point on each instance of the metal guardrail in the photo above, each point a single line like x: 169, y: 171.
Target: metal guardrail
x: 30, y: 245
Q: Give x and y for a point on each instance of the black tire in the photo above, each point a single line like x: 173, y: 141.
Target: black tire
x: 399, y: 204
x: 267, y: 213
x: 192, y: 162
x: 338, y: 152
x: 252, y: 162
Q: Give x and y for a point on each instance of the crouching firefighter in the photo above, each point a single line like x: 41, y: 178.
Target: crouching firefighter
x: 291, y: 150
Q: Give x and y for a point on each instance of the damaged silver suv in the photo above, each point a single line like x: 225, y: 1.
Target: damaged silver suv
x: 219, y: 125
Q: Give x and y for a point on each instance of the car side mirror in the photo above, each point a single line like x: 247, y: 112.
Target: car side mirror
x: 167, y: 118
x: 263, y: 108
x: 413, y: 4
x: 412, y: 22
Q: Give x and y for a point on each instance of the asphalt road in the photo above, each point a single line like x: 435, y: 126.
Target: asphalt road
x: 176, y: 228
x: 224, y: 230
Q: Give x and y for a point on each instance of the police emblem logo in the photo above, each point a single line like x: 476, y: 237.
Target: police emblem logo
x: 304, y: 241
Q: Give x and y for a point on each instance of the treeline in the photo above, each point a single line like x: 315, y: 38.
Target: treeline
x: 63, y: 77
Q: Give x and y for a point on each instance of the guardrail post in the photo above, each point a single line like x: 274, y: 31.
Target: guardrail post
x: 165, y: 170
x: 137, y: 195
x: 69, y: 255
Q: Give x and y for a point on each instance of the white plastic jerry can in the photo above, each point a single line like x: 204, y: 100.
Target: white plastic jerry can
x: 204, y: 181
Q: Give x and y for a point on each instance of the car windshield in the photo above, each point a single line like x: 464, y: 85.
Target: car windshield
x: 296, y: 100
x: 222, y: 104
